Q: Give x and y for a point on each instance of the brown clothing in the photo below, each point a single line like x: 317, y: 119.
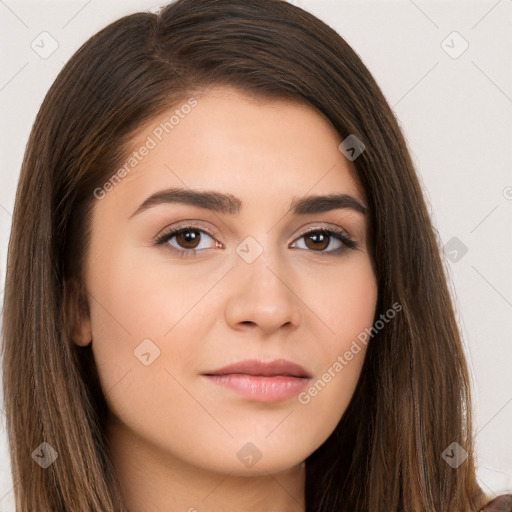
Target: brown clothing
x: 501, y: 503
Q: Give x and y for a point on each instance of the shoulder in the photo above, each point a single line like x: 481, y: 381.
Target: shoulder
x: 501, y: 503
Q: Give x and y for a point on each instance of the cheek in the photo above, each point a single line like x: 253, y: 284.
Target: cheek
x: 343, y: 299
x: 354, y: 301
x: 139, y: 309
x: 345, y: 304
x: 140, y: 347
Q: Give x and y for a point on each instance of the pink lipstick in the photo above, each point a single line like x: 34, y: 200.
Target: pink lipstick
x: 260, y: 381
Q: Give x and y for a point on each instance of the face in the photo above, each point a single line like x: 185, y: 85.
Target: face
x: 247, y: 277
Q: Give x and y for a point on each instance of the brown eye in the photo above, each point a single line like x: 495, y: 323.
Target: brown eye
x: 188, y: 238
x: 317, y: 240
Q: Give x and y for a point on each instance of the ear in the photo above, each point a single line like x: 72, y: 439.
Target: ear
x: 77, y: 315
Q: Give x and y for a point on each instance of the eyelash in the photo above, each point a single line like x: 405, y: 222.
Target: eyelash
x: 347, y: 242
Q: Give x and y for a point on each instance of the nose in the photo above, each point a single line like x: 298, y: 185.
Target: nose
x: 262, y: 296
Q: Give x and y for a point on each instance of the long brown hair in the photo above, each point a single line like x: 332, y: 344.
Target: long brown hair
x: 412, y: 399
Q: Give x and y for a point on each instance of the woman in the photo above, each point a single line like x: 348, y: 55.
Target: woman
x: 290, y: 363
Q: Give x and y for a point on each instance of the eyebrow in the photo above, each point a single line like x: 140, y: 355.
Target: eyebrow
x: 229, y: 204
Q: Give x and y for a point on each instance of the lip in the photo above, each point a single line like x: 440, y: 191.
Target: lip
x: 256, y: 367
x: 261, y: 381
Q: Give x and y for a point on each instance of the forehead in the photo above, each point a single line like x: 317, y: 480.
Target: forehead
x: 251, y: 147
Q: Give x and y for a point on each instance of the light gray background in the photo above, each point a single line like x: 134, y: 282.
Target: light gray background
x: 456, y: 114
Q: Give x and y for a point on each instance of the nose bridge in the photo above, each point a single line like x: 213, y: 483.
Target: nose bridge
x: 262, y: 294
x: 260, y: 261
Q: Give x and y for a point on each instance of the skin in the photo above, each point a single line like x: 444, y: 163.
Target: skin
x: 174, y: 434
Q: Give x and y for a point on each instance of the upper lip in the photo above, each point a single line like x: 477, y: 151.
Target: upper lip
x: 263, y: 368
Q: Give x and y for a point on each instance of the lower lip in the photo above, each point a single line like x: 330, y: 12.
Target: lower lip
x: 260, y: 388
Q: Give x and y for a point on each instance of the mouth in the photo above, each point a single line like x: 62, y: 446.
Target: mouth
x: 260, y: 381
x: 257, y: 368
